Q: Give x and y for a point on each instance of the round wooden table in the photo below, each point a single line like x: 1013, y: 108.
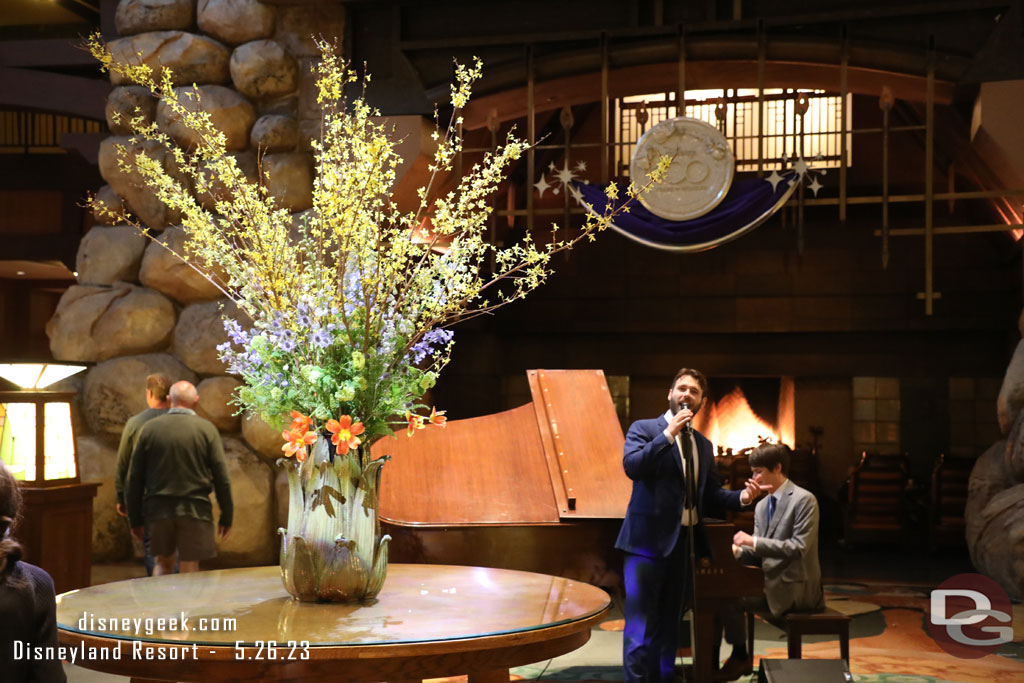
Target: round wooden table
x: 241, y: 625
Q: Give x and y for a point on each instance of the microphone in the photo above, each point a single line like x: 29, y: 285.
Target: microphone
x: 688, y: 427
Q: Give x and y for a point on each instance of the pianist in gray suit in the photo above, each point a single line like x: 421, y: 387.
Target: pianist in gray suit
x: 784, y: 544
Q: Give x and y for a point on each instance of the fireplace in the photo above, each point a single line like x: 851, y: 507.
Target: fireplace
x: 741, y: 412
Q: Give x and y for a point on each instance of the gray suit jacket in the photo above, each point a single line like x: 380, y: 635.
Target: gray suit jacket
x: 788, y: 551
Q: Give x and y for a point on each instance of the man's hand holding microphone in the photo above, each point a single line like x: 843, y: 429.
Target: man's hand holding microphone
x: 680, y: 421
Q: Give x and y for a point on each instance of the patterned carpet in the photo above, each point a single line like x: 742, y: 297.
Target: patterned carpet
x: 889, y: 643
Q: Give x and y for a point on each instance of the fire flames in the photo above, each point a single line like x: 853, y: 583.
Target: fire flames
x: 731, y: 423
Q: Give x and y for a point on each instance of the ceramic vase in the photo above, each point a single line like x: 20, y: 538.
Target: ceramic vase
x: 332, y: 550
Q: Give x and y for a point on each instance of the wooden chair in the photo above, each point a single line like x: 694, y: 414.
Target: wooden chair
x: 875, y: 506
x: 947, y: 501
x: 803, y: 469
x: 828, y: 622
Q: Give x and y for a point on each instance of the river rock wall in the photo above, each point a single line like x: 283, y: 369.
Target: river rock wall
x: 137, y: 308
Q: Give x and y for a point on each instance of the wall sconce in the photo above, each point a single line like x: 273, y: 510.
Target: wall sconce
x: 37, y: 443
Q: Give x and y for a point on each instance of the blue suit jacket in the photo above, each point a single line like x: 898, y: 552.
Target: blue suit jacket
x: 653, y: 517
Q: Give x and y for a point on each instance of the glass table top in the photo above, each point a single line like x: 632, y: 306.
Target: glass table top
x: 418, y: 603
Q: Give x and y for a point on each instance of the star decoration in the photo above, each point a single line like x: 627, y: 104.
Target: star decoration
x: 576, y: 194
x: 565, y: 175
x: 800, y: 166
x: 774, y: 179
x: 562, y: 178
x: 541, y: 185
x: 815, y: 186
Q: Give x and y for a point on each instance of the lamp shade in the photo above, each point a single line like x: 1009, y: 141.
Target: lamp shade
x: 37, y: 375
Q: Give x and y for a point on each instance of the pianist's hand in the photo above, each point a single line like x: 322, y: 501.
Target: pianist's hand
x: 751, y: 491
x: 742, y: 538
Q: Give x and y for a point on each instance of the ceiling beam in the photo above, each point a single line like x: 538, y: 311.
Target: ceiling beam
x: 87, y: 9
x: 575, y: 90
x: 44, y: 53
x: 60, y: 246
x: 891, y: 11
x: 58, y: 172
x: 52, y: 92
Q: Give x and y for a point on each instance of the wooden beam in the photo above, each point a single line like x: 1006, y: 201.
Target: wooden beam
x: 108, y: 12
x: 61, y: 246
x: 904, y: 198
x: 531, y: 137
x: 44, y: 53
x: 845, y: 119
x: 951, y: 230
x: 929, y: 189
x: 52, y: 92
x: 580, y: 89
x: 86, y: 9
x: 66, y: 172
x: 694, y: 28
x: 86, y: 144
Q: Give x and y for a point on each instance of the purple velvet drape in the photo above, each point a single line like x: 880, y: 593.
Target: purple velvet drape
x: 748, y: 203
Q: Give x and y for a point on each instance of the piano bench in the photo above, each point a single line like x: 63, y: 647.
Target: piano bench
x: 826, y: 622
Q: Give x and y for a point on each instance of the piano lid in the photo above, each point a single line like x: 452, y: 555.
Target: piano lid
x: 557, y: 458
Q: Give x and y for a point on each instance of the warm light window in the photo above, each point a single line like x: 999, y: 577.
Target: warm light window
x: 876, y: 414
x: 741, y: 124
x: 18, y: 439
x: 60, y: 448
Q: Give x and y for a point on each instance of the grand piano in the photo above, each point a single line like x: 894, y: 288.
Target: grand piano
x: 536, y: 488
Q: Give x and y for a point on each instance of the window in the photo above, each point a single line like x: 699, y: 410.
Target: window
x: 736, y: 114
x: 876, y: 414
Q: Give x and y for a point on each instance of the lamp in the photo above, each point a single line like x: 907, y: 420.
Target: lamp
x: 37, y: 375
x: 37, y: 440
x: 37, y: 443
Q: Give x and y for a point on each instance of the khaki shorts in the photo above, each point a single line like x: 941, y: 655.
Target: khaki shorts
x: 191, y: 537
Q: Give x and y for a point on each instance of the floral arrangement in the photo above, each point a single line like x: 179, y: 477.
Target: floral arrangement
x: 346, y: 318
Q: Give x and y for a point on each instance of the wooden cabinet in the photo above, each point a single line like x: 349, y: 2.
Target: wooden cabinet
x: 56, y: 532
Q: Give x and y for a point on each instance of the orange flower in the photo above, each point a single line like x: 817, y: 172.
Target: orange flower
x: 345, y: 433
x: 438, y: 418
x: 300, y: 423
x: 415, y: 422
x: 295, y: 442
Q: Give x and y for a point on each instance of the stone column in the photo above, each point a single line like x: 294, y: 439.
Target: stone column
x: 994, y: 515
x: 137, y: 308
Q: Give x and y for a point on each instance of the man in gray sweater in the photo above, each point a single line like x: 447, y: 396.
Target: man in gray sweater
x: 178, y: 460
x: 157, y: 402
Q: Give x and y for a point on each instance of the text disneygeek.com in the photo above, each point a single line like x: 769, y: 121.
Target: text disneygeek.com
x: 133, y: 626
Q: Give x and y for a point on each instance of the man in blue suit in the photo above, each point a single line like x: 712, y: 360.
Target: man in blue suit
x: 653, y: 535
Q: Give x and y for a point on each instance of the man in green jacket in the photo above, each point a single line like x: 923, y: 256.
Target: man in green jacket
x: 157, y: 387
x: 178, y: 460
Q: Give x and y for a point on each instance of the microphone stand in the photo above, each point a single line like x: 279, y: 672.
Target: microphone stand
x: 691, y: 496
